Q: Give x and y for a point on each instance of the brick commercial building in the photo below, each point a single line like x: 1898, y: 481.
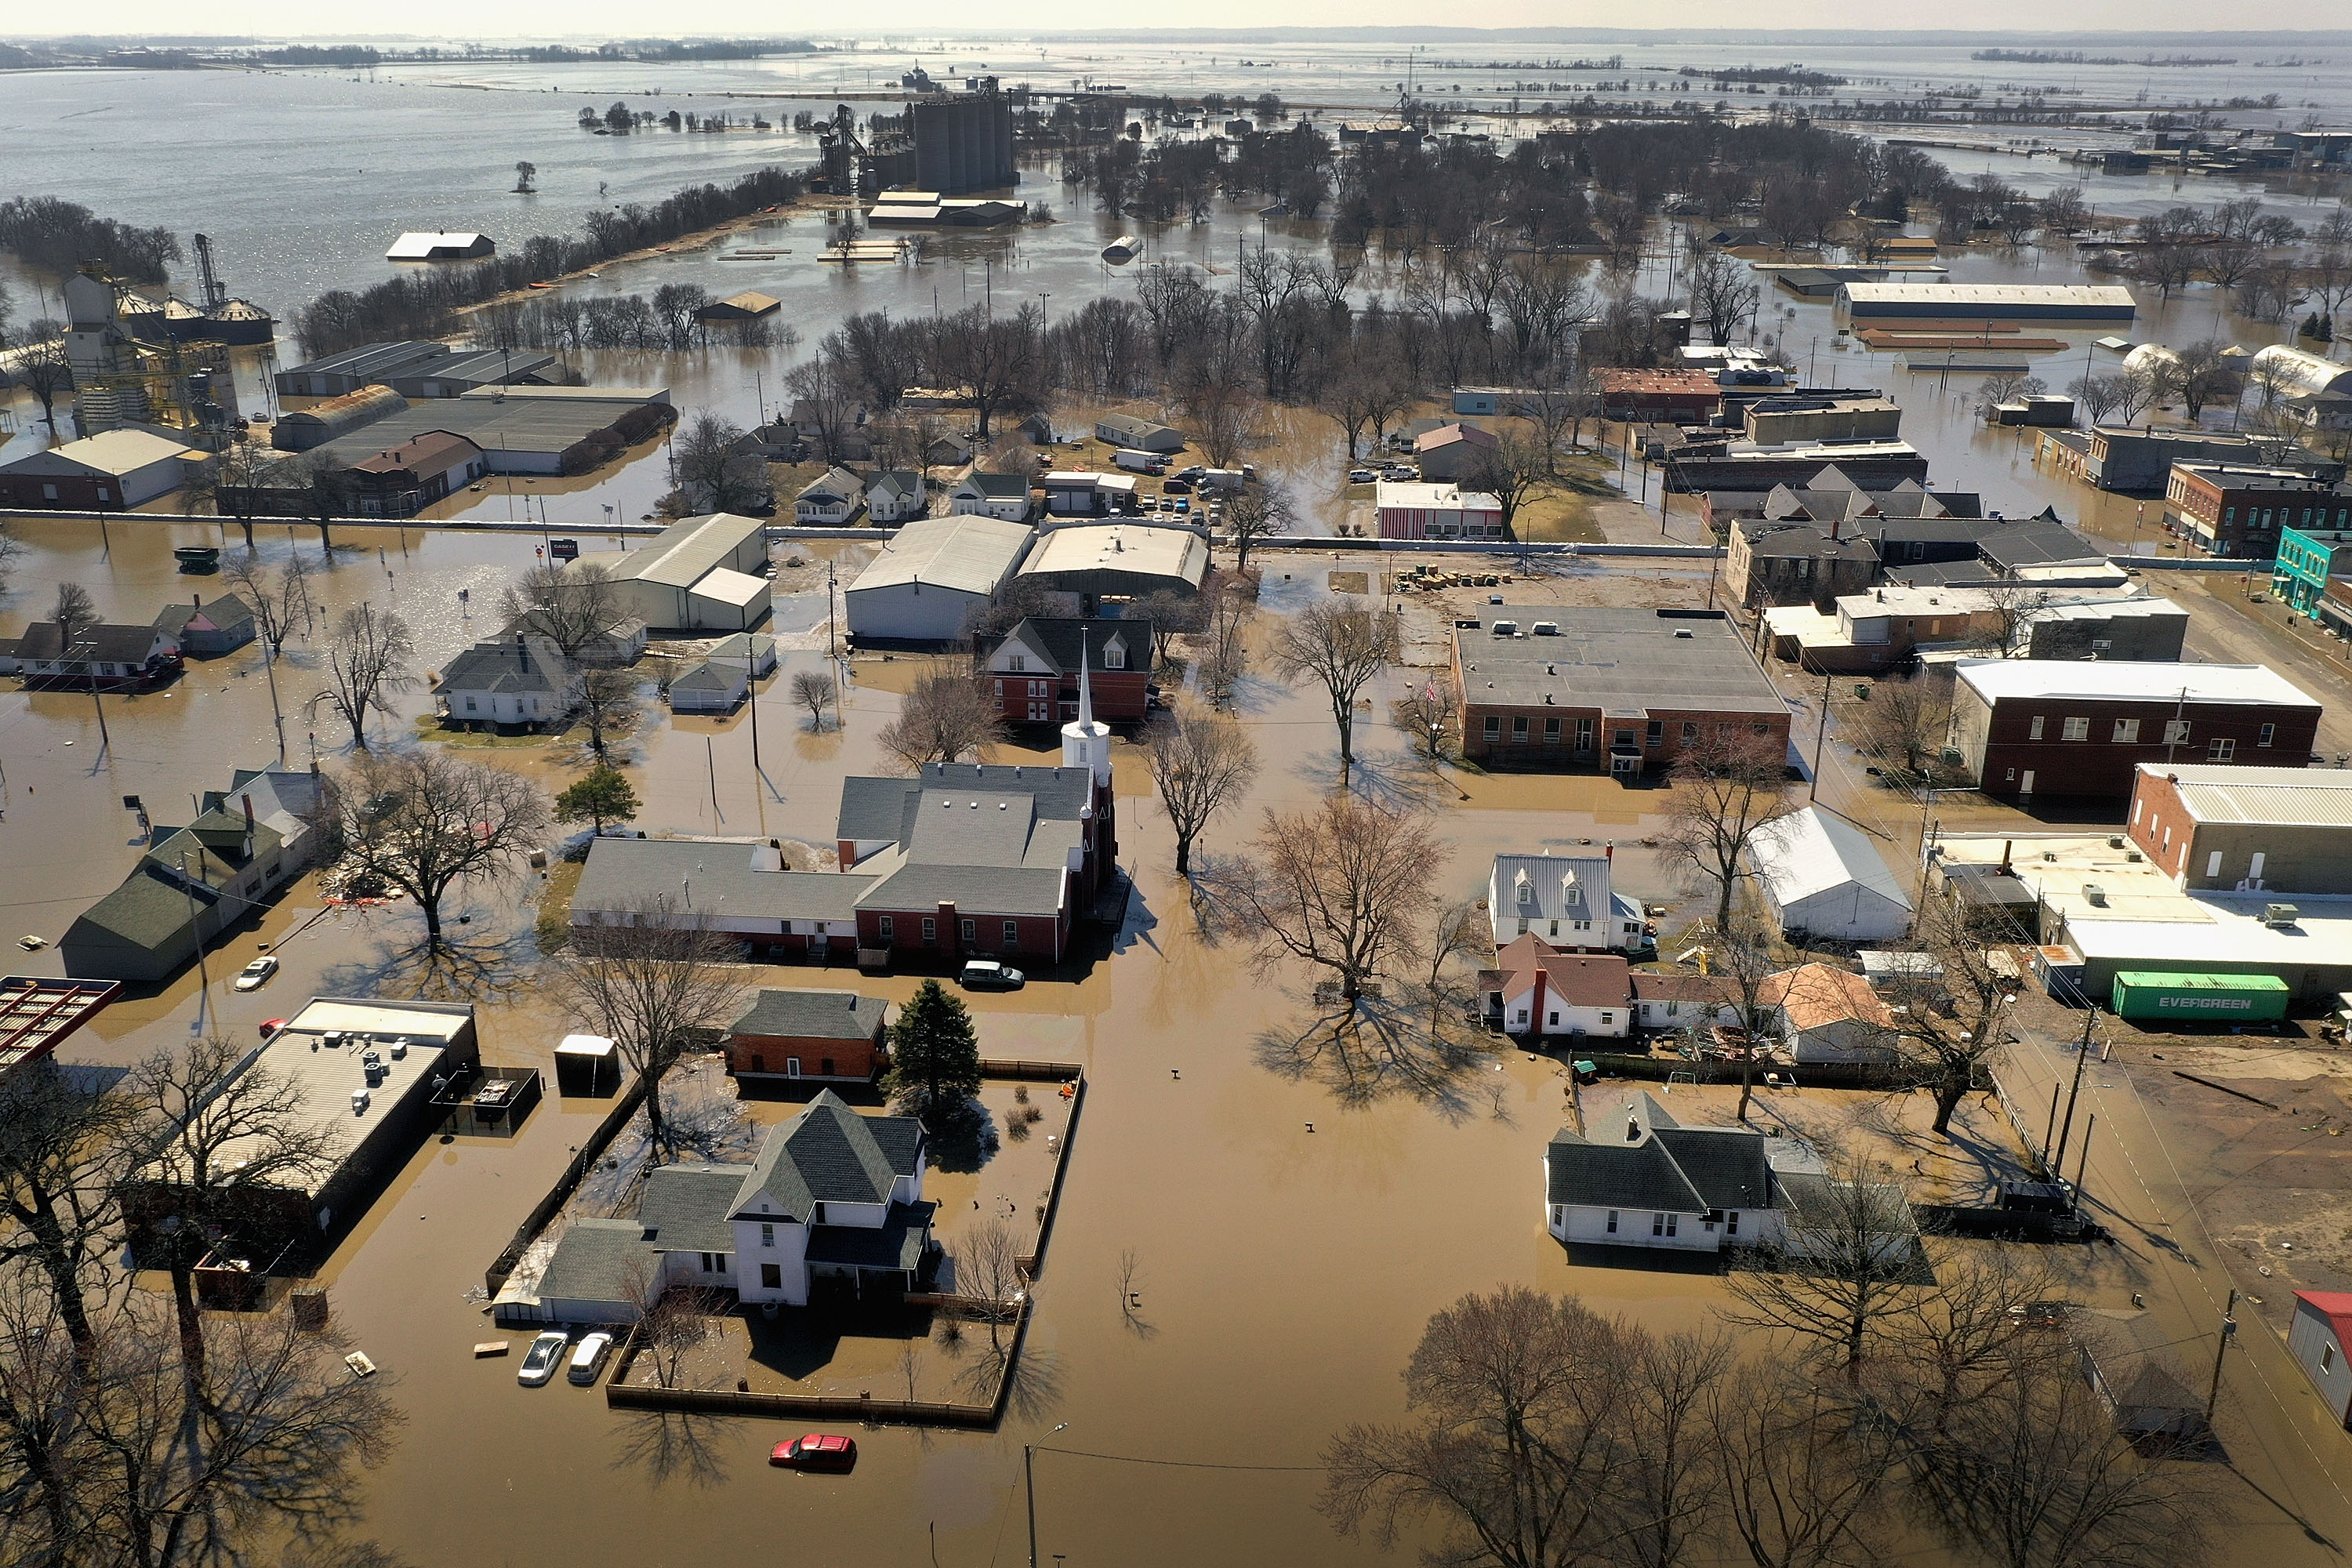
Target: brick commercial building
x: 2079, y: 729
x: 107, y: 472
x: 1680, y: 396
x: 1546, y: 686
x: 402, y: 480
x: 2227, y: 510
x: 1410, y: 511
x: 2238, y: 829
x: 2134, y: 460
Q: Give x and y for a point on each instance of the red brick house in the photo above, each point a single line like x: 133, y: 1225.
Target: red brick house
x: 832, y: 1036
x: 2079, y: 728
x: 1033, y: 670
x: 1678, y: 396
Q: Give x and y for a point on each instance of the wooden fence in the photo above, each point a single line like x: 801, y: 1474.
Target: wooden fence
x: 495, y: 1277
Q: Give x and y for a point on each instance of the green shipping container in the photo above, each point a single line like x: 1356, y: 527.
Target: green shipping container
x: 2151, y: 997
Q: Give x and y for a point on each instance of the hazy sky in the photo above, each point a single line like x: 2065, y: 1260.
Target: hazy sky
x: 505, y: 18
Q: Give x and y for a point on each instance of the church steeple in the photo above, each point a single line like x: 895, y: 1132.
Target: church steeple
x: 1086, y: 744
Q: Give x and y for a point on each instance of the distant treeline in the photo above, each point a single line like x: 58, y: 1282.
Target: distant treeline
x: 2049, y: 57
x: 672, y: 319
x: 1794, y: 76
x: 422, y: 303
x: 60, y: 235
x: 345, y: 55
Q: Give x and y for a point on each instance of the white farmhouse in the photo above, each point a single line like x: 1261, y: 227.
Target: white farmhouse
x: 827, y: 500
x: 1566, y: 899
x: 832, y: 1194
x: 1004, y: 495
x: 517, y: 681
x: 896, y: 495
x: 1536, y: 989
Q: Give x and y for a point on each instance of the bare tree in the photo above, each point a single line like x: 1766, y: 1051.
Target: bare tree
x: 1171, y: 616
x: 2035, y: 1472
x: 1341, y: 889
x: 229, y: 1130
x: 941, y: 718
x: 1225, y: 633
x: 572, y: 605
x: 66, y: 1141
x: 1200, y: 760
x: 1723, y: 291
x: 678, y: 1322
x: 1836, y: 1276
x: 1663, y: 1474
x: 1258, y: 514
x: 1744, y: 956
x: 276, y: 599
x: 714, y: 471
x: 1802, y: 1482
x: 1511, y: 470
x: 368, y: 660
x: 658, y: 983
x: 1510, y: 1451
x: 240, y: 473
x: 1727, y: 789
x: 41, y: 368
x: 11, y: 547
x: 1948, y: 1344
x: 988, y: 1272
x: 1341, y: 647
x: 1950, y: 1010
x: 817, y: 690
x: 609, y: 704
x: 429, y: 821
x: 1433, y: 714
x: 1905, y: 720
x: 73, y: 614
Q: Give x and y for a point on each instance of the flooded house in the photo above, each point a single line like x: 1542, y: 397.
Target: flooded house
x: 195, y: 882
x: 207, y: 628
x: 831, y: 1203
x: 824, y: 1034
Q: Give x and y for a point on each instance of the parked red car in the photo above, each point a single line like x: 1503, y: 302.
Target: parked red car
x: 816, y: 1451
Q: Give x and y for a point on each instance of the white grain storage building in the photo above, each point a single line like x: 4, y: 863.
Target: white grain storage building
x: 935, y: 577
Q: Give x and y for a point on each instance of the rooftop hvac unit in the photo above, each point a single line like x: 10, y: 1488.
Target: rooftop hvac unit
x: 2280, y: 914
x: 2116, y: 841
x: 359, y: 1102
x: 2095, y: 894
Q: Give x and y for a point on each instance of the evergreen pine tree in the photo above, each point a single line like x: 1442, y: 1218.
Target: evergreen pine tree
x: 934, y: 1053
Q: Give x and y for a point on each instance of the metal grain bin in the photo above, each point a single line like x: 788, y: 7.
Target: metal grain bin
x: 2149, y: 997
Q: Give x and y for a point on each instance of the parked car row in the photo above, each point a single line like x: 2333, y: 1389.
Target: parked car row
x: 585, y: 1366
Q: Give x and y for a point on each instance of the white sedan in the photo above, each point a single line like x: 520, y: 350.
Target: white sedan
x: 538, y: 1363
x: 253, y: 976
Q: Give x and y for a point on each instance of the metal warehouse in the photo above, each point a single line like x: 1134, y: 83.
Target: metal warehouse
x: 2090, y: 304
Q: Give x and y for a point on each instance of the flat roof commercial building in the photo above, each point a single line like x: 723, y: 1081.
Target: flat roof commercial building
x: 2084, y: 304
x: 1416, y: 510
x: 521, y: 430
x: 2080, y: 730
x: 366, y: 1072
x: 107, y: 472
x: 935, y: 577
x: 2241, y: 511
x: 1547, y: 686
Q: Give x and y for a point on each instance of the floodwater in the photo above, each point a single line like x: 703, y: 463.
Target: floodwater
x: 1284, y: 1271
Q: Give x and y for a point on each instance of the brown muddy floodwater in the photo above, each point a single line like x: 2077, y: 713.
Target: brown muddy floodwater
x: 1288, y: 1248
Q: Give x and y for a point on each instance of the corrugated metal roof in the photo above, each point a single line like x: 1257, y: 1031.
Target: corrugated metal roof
x: 2286, y: 797
x: 1811, y: 851
x: 968, y: 552
x: 2106, y: 295
x: 683, y: 555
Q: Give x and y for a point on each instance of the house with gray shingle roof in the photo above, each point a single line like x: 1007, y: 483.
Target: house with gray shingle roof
x: 896, y: 495
x: 823, y: 1034
x: 1639, y: 1178
x: 521, y: 679
x: 831, y: 1194
x: 208, y: 629
x: 193, y: 883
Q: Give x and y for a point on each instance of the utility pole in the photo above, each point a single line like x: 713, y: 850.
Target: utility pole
x: 1820, y: 737
x: 2082, y: 1055
x: 1029, y: 1482
x: 2229, y: 1332
x: 89, y: 663
x: 2082, y: 1162
x: 203, y: 974
x: 711, y: 760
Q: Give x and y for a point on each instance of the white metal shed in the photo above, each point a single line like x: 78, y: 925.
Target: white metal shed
x: 1819, y: 873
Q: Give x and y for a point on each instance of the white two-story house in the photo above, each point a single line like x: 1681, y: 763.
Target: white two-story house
x: 1567, y: 899
x: 522, y: 679
x: 832, y: 1196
